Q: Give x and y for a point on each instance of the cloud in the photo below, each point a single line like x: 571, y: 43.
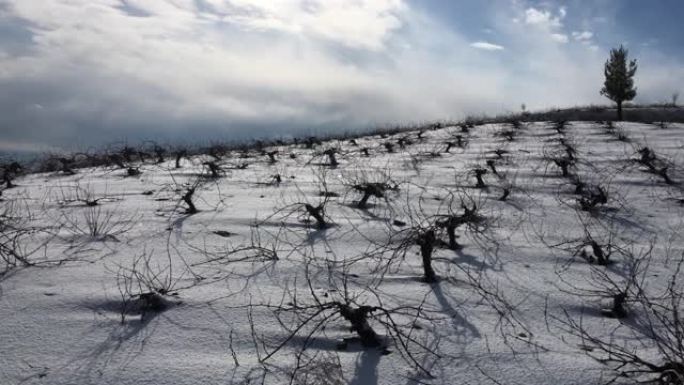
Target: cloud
x: 159, y: 69
x: 552, y: 24
x: 583, y: 35
x: 486, y: 46
x: 359, y: 24
x: 15, y: 147
x: 586, y: 38
x: 543, y: 18
x: 547, y: 22
x: 105, y: 70
x: 559, y: 37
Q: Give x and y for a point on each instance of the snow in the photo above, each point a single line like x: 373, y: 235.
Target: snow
x: 61, y: 322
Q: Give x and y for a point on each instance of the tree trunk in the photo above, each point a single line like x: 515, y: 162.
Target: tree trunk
x: 426, y: 242
x: 359, y: 320
x: 187, y: 198
x: 179, y: 156
x: 451, y: 232
x: 619, y: 111
x: 364, y: 200
x: 316, y: 212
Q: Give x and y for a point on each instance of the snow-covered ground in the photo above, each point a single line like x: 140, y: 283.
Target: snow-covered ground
x: 249, y: 288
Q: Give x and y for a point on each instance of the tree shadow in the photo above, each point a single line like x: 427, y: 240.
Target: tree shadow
x: 366, y: 372
x: 463, y: 328
x: 121, y: 347
x: 177, y: 224
x: 315, y: 235
x: 470, y: 259
x: 315, y: 343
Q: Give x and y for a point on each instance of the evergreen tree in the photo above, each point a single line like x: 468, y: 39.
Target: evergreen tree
x: 619, y: 83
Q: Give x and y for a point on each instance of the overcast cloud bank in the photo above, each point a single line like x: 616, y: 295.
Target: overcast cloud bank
x: 79, y: 72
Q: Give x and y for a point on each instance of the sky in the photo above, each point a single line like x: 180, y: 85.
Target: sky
x: 77, y: 73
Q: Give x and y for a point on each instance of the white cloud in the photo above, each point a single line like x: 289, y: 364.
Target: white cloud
x: 583, y: 35
x: 486, y: 46
x: 559, y: 38
x: 547, y: 23
x: 158, y: 66
x: 562, y: 12
x: 102, y: 70
x: 543, y: 18
x: 359, y: 24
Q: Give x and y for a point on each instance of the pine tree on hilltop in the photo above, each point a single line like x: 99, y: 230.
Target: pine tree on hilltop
x: 619, y: 83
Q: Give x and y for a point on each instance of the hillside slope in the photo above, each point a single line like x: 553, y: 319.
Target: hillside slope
x: 286, y: 274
